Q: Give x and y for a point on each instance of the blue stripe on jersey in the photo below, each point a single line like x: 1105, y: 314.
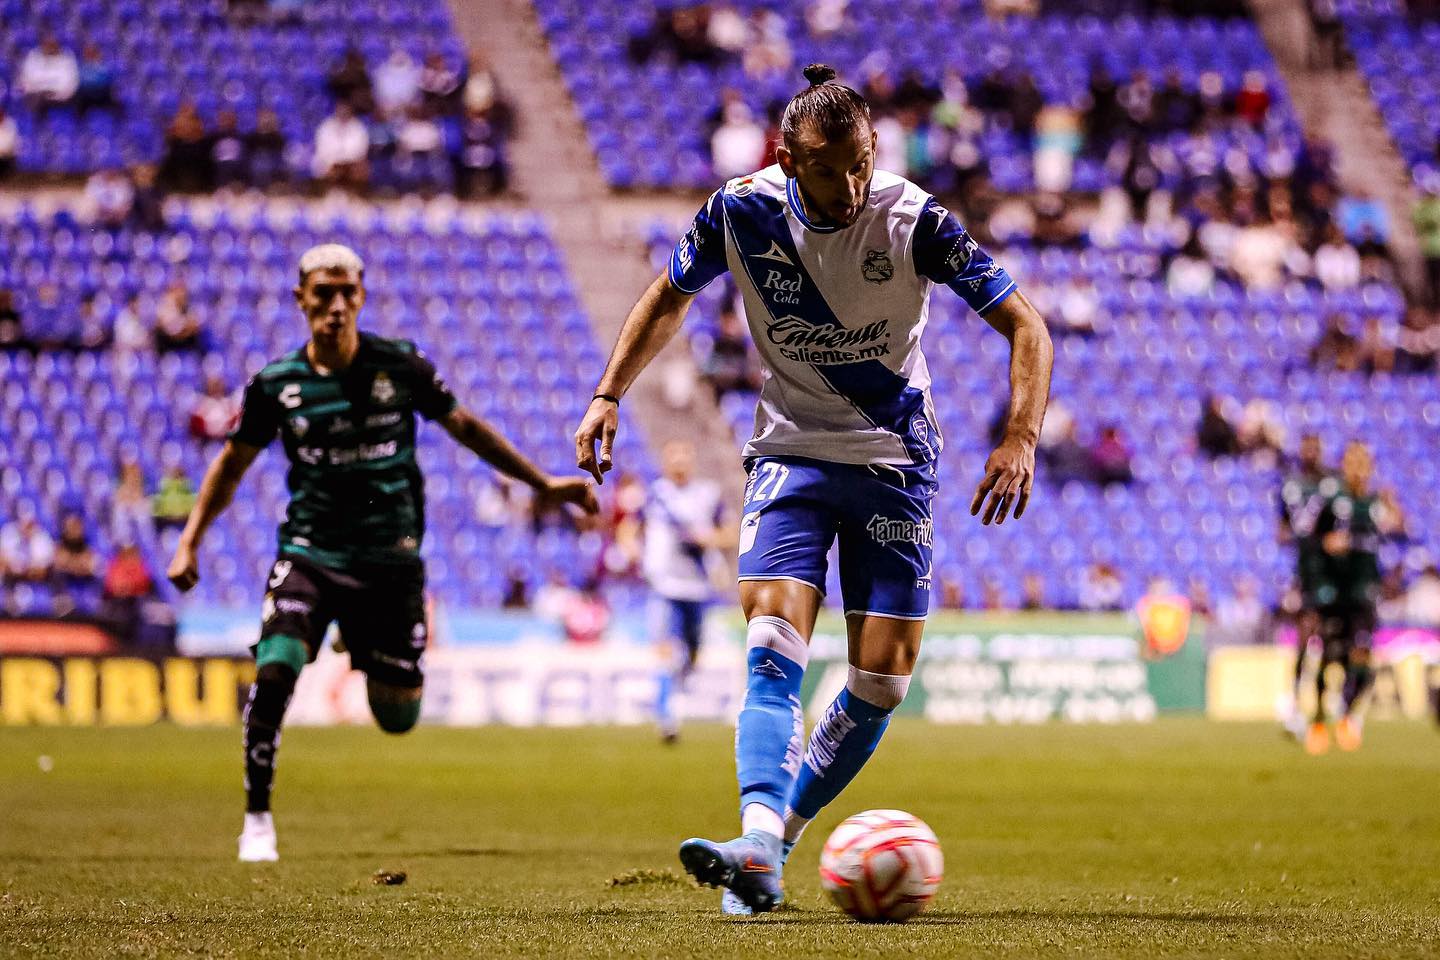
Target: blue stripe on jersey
x: 882, y: 396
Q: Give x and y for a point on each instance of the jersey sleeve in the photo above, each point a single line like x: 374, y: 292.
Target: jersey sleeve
x: 432, y: 396
x: 945, y: 253
x: 259, y: 416
x: 699, y: 257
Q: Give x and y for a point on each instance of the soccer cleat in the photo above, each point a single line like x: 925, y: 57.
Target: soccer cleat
x: 1317, y: 739
x: 732, y: 906
x: 748, y: 866
x: 1348, y: 732
x: 257, y: 839
x: 1294, y: 726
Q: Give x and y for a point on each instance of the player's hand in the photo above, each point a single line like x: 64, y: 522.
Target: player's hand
x: 574, y: 490
x: 184, y: 571
x: 600, y: 423
x: 1009, y: 475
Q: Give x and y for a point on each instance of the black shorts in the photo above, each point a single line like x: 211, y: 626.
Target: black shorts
x: 381, y: 612
x: 1345, y: 628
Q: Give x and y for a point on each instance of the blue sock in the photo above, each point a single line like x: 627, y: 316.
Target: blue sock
x: 770, y: 736
x: 664, y: 701
x: 840, y: 744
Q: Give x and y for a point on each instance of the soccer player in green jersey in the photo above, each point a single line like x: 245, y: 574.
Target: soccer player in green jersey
x: 1348, y: 529
x: 344, y: 406
x: 1302, y: 495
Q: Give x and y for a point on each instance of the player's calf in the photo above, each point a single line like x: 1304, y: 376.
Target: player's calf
x: 396, y: 709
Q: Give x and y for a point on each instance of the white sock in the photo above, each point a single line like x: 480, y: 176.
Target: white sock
x: 757, y: 816
x: 794, y: 826
x: 259, y: 822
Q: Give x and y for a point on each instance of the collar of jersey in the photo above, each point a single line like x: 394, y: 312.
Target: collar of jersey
x: 792, y: 194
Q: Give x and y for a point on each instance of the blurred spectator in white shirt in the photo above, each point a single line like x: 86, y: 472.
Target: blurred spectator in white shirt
x: 342, y: 146
x: 27, y: 552
x: 49, y: 75
x: 9, y: 143
x: 738, y: 144
x: 825, y: 18
x: 397, y: 84
x: 111, y: 195
x: 1337, y: 263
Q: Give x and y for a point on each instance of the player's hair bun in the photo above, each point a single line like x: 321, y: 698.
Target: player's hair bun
x: 818, y: 73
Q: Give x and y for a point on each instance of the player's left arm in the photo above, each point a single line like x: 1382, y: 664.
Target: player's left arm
x: 1010, y: 470
x: 492, y: 446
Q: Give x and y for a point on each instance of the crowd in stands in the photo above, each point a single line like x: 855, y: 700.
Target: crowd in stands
x: 406, y: 125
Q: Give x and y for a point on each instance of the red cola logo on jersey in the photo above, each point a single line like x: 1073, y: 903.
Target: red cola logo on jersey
x: 828, y: 343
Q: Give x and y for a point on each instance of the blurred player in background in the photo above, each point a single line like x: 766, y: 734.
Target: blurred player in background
x: 344, y: 405
x: 1302, y: 496
x: 1348, y: 529
x: 835, y: 261
x: 684, y: 530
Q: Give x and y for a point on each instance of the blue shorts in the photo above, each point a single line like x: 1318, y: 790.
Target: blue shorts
x: 795, y: 508
x: 680, y: 621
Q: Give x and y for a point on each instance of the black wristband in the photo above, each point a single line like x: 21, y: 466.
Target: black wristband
x: 606, y: 396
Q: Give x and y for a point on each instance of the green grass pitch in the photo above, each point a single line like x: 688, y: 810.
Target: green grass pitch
x: 1182, y: 838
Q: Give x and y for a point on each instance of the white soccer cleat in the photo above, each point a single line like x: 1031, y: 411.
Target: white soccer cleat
x: 257, y: 839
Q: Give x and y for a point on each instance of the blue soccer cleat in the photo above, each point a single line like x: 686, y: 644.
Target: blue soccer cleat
x: 732, y: 906
x: 748, y: 866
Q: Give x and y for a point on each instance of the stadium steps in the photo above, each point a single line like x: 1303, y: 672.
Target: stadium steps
x: 1336, y: 105
x: 556, y: 172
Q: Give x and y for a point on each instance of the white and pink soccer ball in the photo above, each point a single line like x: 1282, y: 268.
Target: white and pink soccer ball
x: 881, y: 865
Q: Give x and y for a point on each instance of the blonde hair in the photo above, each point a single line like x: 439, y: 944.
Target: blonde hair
x: 330, y: 256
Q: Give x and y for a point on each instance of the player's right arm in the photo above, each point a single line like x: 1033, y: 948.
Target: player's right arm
x: 697, y: 259
x: 216, y: 492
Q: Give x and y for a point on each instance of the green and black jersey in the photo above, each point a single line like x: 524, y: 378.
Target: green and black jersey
x: 1302, y: 497
x: 356, y: 495
x: 1352, y: 579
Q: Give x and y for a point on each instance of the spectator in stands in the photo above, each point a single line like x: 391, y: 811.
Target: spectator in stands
x: 952, y: 594
x: 826, y: 18
x: 350, y: 82
x: 420, y: 150
x: 1137, y: 103
x: 439, y: 85
x: 342, y: 150
x: 1418, y: 342
x: 587, y: 616
x: 96, y: 89
x: 1252, y: 102
x: 1337, y: 348
x: 27, y: 553
x: 52, y: 325
x: 1422, y: 600
x: 172, y: 502
x: 111, y: 197
x: 481, y: 92
x: 480, y: 166
x: 1026, y: 102
x: 1337, y: 263
x: 1110, y: 458
x: 131, y: 519
x: 1102, y: 113
x: 738, y: 144
x: 1261, y: 251
x: 1261, y: 433
x: 229, y: 151
x: 1364, y: 220
x: 731, y: 364
x: 728, y: 30
x: 92, y: 328
x: 127, y: 584
x: 1176, y: 107
x: 1077, y: 306
x: 516, y: 592
x: 397, y: 84
x: 177, y: 329
x: 76, y: 564
x: 49, y: 76
x: 683, y: 32
x: 148, y: 207
x: 1427, y: 230
x: 186, y: 163
x: 1377, y: 346
x: 9, y: 143
x: 130, y: 334
x: 265, y: 152
x: 1032, y: 593
x: 992, y: 595
x: 1100, y: 588
x: 768, y: 52
x: 1067, y: 457
x: 1190, y: 273
x: 1057, y: 141
x: 214, y: 412
x: 13, y: 337
x: 1215, y: 434
x: 1327, y: 49
x: 1134, y: 161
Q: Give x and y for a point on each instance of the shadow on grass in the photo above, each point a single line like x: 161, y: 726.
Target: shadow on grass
x: 800, y: 917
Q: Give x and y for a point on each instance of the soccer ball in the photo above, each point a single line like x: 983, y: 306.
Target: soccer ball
x: 881, y: 865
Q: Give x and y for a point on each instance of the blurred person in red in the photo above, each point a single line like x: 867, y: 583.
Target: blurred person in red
x: 214, y: 412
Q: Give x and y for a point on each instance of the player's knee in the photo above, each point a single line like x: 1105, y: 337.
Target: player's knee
x: 883, y: 690
x: 395, y: 709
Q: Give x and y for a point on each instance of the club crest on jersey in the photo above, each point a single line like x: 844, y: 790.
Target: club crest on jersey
x: 382, y: 390
x: 877, y: 267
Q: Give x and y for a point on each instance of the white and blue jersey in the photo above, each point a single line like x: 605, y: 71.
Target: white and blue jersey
x: 837, y: 314
x: 846, y: 438
x: 675, y: 561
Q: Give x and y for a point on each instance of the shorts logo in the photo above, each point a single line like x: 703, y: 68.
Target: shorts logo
x: 877, y: 267
x: 382, y: 390
x: 279, y: 572
x: 888, y: 530
x: 749, y: 530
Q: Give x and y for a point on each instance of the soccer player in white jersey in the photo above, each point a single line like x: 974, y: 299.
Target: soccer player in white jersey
x: 684, y: 528
x: 835, y: 261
